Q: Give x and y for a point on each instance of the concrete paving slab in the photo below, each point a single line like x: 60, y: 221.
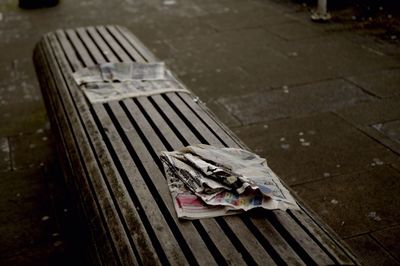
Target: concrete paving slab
x: 369, y: 252
x: 383, y: 83
x: 18, y: 70
x: 253, y: 18
x: 389, y: 239
x: 222, y: 50
x: 224, y: 6
x: 373, y: 112
x: 160, y: 27
x: 335, y: 54
x: 293, y: 102
x: 356, y: 203
x: 312, y: 148
x: 19, y: 91
x: 211, y: 85
x: 370, y: 117
x: 16, y: 118
x: 293, y: 30
x: 24, y: 200
x: 378, y: 45
x: 29, y: 150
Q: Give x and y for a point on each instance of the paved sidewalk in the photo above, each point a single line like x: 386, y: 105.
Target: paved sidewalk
x: 320, y: 101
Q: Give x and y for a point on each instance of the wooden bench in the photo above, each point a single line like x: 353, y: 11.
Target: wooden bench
x: 110, y: 160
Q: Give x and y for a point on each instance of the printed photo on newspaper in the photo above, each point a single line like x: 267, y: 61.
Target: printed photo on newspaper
x: 206, y: 181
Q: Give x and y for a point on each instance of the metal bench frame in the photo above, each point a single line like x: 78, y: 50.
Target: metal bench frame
x: 110, y: 161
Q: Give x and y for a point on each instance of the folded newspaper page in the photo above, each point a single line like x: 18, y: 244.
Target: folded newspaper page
x: 116, y: 81
x: 207, y: 181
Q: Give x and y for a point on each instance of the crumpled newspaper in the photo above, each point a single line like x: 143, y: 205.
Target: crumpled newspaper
x: 116, y: 81
x: 207, y: 181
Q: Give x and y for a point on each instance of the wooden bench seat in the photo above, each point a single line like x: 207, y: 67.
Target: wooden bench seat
x: 110, y: 160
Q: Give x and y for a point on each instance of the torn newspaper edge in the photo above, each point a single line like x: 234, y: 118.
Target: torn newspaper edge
x: 116, y: 81
x: 207, y: 181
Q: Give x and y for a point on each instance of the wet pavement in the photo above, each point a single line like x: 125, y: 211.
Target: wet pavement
x: 320, y: 101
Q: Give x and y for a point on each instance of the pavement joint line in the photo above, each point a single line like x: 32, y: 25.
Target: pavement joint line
x: 371, y: 231
x: 362, y: 129
x: 347, y: 79
x: 316, y: 81
x: 382, y: 246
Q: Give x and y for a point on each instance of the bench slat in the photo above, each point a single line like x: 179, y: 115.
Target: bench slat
x: 102, y: 117
x: 86, y: 39
x: 208, y: 119
x: 73, y: 144
x: 166, y: 131
x: 78, y: 47
x: 162, y: 235
x: 81, y: 170
x: 107, y: 55
x: 112, y: 201
x: 205, y: 261
x: 188, y: 231
x: 219, y: 238
x: 64, y: 138
x: 119, y: 52
x: 310, y: 247
x: 320, y: 234
x: 170, y: 249
x: 192, y: 118
x: 132, y: 52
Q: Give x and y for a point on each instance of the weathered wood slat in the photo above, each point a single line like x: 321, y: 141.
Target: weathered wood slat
x: 86, y: 39
x: 97, y: 182
x: 252, y: 246
x: 210, y: 226
x: 118, y: 50
x: 192, y: 238
x: 105, y: 49
x: 162, y: 235
x: 85, y: 203
x: 208, y: 119
x: 190, y: 232
x: 132, y: 52
x: 113, y: 151
x: 324, y: 237
x: 106, y: 200
x: 239, y: 229
x: 78, y: 169
x: 192, y: 118
x: 311, y: 248
x: 85, y: 57
x: 287, y: 254
x: 141, y: 49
